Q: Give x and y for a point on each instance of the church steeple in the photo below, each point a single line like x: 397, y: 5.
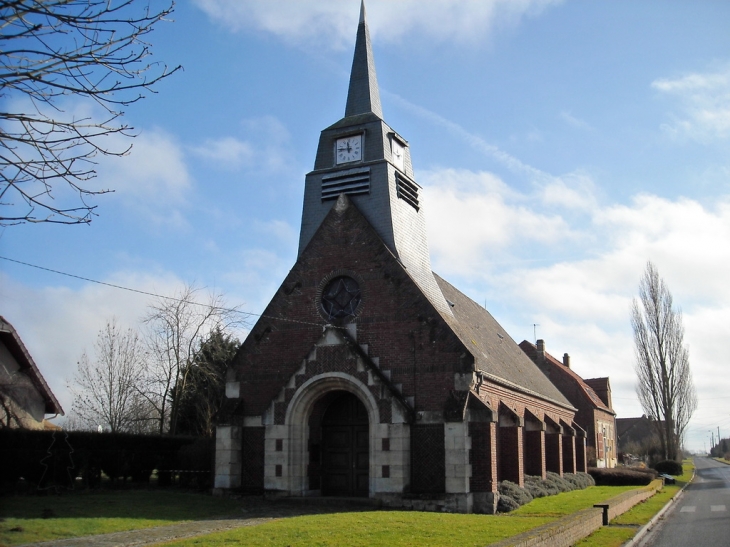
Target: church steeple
x: 363, y: 95
x: 362, y: 157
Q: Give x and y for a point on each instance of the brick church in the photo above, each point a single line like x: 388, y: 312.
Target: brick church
x: 368, y: 374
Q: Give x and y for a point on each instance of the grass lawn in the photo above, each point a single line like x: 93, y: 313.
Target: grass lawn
x: 623, y: 527
x: 26, y: 519
x: 374, y: 529
x: 400, y: 528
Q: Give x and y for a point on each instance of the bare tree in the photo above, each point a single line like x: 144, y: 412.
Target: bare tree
x: 178, y: 329
x: 665, y: 386
x: 51, y: 50
x: 107, y: 389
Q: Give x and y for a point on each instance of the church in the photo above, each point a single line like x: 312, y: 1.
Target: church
x: 368, y: 374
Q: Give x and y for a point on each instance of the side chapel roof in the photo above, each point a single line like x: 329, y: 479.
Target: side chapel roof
x: 495, y: 352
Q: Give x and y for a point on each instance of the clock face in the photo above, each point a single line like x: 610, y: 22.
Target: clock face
x: 398, y: 154
x: 348, y: 149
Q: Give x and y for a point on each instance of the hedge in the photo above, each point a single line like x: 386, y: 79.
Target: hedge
x: 56, y: 459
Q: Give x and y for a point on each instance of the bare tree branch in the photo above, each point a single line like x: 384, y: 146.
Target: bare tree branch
x: 107, y: 389
x: 51, y: 50
x: 178, y: 329
x: 665, y: 388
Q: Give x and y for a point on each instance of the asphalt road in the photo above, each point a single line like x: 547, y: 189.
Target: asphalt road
x: 701, y: 516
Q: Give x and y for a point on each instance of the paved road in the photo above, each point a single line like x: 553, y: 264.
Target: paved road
x: 701, y: 517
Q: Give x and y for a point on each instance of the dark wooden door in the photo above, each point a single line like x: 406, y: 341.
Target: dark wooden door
x: 345, y: 448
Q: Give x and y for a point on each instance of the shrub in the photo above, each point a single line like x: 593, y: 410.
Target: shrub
x: 536, y: 487
x: 622, y: 476
x: 579, y: 481
x: 559, y: 482
x: 515, y: 492
x: 670, y: 467
x: 506, y: 504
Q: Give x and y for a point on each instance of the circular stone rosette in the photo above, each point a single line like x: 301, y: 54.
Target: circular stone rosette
x: 340, y: 296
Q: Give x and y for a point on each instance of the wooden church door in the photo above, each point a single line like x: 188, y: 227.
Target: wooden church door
x: 345, y: 448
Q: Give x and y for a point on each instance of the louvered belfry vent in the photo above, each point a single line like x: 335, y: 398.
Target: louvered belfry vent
x: 407, y: 190
x: 351, y: 182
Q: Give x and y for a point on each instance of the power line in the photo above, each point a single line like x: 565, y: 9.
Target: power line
x: 147, y: 293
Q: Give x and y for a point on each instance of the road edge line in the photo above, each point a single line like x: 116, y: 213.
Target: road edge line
x: 634, y: 541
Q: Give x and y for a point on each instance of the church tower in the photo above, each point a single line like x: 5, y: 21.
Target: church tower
x: 369, y: 375
x: 364, y: 158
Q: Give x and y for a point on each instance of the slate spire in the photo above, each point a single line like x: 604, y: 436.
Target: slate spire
x: 363, y: 96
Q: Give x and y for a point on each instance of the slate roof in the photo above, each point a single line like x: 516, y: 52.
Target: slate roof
x: 363, y: 95
x: 495, y: 352
x: 558, y: 367
x: 17, y: 349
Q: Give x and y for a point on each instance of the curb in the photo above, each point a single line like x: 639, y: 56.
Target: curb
x: 639, y: 536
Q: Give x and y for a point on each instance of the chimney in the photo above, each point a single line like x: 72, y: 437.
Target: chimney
x: 540, y: 352
x: 566, y: 360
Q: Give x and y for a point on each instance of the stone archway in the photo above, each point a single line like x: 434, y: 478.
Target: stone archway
x: 315, y: 397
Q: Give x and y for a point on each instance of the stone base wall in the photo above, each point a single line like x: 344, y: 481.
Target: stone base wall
x: 480, y: 502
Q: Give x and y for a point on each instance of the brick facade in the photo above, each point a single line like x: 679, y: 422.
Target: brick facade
x: 448, y: 403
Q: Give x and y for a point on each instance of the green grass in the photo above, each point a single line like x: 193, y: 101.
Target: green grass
x: 374, y: 529
x: 399, y: 528
x: 623, y: 527
x: 79, y: 514
x: 570, y: 502
x: 26, y: 519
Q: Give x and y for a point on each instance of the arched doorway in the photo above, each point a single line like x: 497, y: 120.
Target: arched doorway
x: 345, y: 447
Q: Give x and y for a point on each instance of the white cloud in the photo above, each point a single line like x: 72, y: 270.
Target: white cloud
x: 573, y: 121
x: 488, y: 219
x: 228, y: 152
x: 704, y: 102
x: 152, y: 180
x: 483, y: 237
x: 57, y: 323
x: 265, y: 152
x: 332, y: 23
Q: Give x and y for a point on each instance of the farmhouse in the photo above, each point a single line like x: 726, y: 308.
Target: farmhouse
x: 368, y: 374
x: 592, y: 398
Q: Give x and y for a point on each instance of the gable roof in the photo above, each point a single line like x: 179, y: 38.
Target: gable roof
x: 495, y: 352
x: 557, y: 367
x: 9, y: 337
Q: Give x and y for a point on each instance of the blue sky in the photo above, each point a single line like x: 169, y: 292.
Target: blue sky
x: 561, y: 145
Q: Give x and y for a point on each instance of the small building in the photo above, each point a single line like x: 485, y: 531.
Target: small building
x: 369, y: 375
x: 25, y: 398
x: 638, y: 439
x: 592, y: 398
